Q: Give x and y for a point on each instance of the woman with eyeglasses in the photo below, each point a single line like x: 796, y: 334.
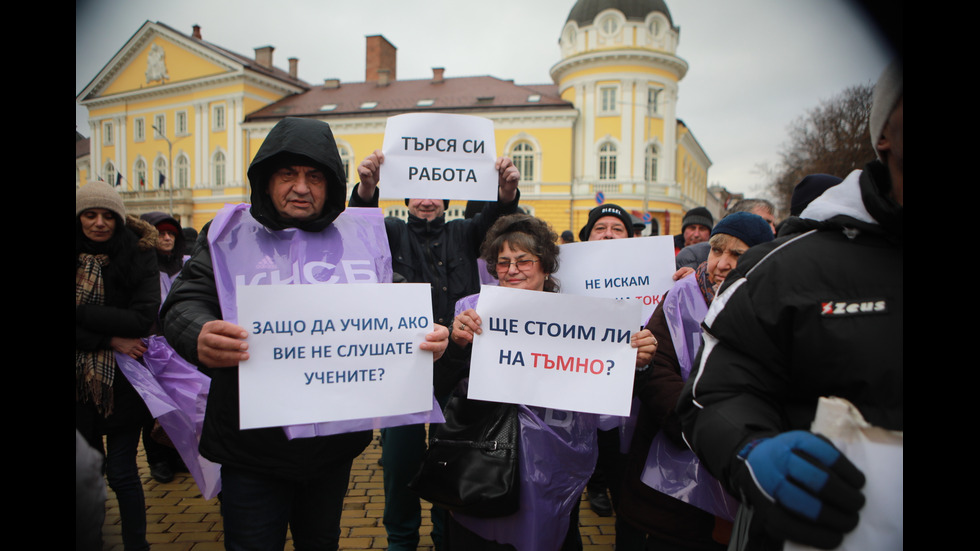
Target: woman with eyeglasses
x: 521, y: 253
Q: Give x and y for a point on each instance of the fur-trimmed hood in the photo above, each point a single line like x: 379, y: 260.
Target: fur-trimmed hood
x: 146, y: 234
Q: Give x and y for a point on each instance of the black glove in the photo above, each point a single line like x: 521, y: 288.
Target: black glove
x: 808, y: 491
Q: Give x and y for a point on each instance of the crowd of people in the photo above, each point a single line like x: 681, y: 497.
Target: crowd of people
x: 729, y: 367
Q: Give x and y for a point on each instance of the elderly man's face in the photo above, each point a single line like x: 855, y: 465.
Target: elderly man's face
x: 764, y: 213
x: 608, y: 227
x: 696, y: 233
x: 298, y: 192
x: 426, y: 209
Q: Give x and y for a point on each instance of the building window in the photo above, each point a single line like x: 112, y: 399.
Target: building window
x: 655, y: 27
x: 607, y: 161
x: 159, y: 126
x: 109, y: 172
x: 650, y: 164
x: 139, y: 129
x: 183, y: 170
x: 219, y: 169
x: 160, y: 173
x: 139, y: 171
x: 107, y: 134
x: 607, y: 99
x: 180, y: 123
x: 218, y: 117
x: 397, y: 212
x: 523, y: 157
x: 609, y: 25
x: 654, y: 100
x: 346, y: 157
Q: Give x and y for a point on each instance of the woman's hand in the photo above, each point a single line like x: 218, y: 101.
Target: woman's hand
x: 134, y: 348
x: 646, y: 346
x: 437, y: 341
x: 465, y: 326
x: 682, y: 272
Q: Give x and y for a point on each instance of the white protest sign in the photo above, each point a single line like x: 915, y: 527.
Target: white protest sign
x: 637, y: 269
x: 333, y: 352
x: 555, y: 351
x: 439, y: 156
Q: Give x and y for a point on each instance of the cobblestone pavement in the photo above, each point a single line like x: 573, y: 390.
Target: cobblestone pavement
x: 179, y: 519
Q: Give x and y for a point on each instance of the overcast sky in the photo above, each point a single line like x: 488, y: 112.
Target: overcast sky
x: 754, y: 65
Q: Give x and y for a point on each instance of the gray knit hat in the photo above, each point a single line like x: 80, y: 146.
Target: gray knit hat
x: 698, y: 215
x: 886, y: 95
x: 99, y: 195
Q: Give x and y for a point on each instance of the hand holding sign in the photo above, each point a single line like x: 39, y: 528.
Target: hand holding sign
x: 465, y: 325
x: 222, y: 344
x: 646, y: 346
x: 436, y: 341
x: 508, y: 177
x: 368, y: 173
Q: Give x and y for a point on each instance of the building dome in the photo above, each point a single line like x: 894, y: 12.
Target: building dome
x: 584, y: 11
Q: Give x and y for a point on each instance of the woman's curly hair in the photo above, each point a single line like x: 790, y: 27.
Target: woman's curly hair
x: 524, y: 233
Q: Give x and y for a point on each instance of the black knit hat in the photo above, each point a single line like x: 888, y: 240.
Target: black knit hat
x: 748, y: 227
x: 698, y: 215
x: 809, y: 188
x: 608, y: 209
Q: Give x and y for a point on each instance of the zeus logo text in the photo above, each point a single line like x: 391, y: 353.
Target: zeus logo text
x: 853, y: 308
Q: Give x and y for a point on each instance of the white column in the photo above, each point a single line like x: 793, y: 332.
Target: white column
x: 669, y: 155
x: 626, y: 110
x: 233, y: 123
x: 95, y: 150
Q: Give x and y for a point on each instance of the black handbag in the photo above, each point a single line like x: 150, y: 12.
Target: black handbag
x: 471, y: 464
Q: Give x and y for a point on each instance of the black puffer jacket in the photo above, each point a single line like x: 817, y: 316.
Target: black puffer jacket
x: 818, y: 313
x: 442, y: 254
x: 193, y: 301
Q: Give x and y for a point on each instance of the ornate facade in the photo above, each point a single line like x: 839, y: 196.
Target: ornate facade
x: 605, y: 129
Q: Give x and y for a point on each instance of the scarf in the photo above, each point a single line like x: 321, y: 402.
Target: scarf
x: 704, y: 283
x: 94, y: 369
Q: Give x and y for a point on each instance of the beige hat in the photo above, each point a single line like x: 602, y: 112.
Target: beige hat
x: 99, y: 195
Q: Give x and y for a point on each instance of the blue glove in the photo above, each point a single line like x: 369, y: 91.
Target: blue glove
x: 810, y: 491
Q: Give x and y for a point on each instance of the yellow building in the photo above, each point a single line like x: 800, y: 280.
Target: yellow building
x: 606, y: 127
x: 170, y: 103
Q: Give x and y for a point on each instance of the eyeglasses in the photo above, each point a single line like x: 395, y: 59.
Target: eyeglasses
x: 523, y: 265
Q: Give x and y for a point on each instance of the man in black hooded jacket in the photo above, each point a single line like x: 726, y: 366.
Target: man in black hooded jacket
x: 268, y: 481
x: 428, y: 249
x: 817, y: 312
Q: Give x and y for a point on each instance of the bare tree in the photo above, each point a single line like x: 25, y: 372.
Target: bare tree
x: 830, y: 139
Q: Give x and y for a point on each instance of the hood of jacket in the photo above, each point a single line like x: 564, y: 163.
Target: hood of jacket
x: 295, y: 141
x: 156, y: 218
